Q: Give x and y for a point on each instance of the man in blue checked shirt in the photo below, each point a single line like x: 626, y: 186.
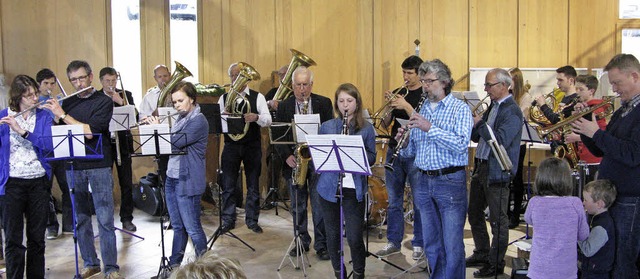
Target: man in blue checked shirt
x: 439, y: 143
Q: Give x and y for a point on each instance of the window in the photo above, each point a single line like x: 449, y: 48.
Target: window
x: 184, y: 34
x: 629, y: 9
x: 125, y: 27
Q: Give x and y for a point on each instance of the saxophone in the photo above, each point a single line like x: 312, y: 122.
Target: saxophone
x: 302, y: 155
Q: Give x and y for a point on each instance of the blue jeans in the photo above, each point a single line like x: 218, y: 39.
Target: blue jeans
x: 625, y: 218
x: 185, y: 219
x: 102, y: 190
x: 404, y: 169
x: 442, y: 201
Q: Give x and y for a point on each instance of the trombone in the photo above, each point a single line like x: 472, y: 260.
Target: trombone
x: 480, y: 108
x: 125, y: 102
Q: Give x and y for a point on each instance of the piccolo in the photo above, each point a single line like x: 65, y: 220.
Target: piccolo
x: 160, y: 119
x: 59, y: 100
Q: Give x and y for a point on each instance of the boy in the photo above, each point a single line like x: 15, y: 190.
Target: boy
x: 597, y: 252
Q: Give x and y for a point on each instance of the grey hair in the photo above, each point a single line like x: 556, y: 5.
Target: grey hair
x: 441, y: 71
x: 231, y: 67
x: 503, y: 76
x: 302, y: 69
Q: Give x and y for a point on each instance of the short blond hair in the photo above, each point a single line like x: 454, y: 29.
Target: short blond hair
x: 210, y: 266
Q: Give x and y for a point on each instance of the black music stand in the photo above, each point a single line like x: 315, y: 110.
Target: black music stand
x: 278, y: 133
x: 121, y: 121
x: 235, y: 126
x: 164, y: 269
x: 90, y: 154
x: 530, y: 136
x: 339, y: 154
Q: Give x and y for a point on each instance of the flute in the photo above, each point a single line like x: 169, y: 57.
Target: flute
x: 160, y: 119
x: 59, y: 100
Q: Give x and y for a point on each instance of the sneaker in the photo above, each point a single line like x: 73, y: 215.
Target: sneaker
x: 87, y: 272
x: 388, y: 250
x: 114, y: 275
x: 52, y: 235
x: 417, y: 254
x: 129, y: 226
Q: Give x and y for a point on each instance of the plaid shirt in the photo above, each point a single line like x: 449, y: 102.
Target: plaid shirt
x: 445, y: 144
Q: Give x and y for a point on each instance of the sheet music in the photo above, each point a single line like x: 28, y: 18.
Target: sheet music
x: 166, y: 111
x: 403, y: 122
x: 61, y: 140
x: 306, y: 124
x: 148, y: 142
x: 351, y: 152
x: 530, y: 134
x: 122, y: 118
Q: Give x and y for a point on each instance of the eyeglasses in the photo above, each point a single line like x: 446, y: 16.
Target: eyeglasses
x: 489, y: 85
x: 80, y: 78
x: 428, y: 81
x: 302, y: 85
x: 29, y: 96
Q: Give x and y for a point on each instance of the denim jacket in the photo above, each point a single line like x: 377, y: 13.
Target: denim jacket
x: 328, y: 181
x: 192, y: 165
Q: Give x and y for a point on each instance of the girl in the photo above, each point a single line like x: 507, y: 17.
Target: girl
x: 347, y: 98
x: 559, y: 222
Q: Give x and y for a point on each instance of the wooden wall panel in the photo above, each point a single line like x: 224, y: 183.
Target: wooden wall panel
x: 491, y: 34
x: 591, y: 42
x: 543, y: 33
x: 154, y: 39
x: 446, y: 28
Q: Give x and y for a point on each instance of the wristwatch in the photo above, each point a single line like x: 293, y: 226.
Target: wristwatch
x: 63, y: 116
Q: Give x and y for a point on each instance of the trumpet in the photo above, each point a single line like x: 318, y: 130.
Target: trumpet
x: 160, y: 119
x: 59, y: 100
x: 386, y: 109
x: 565, y: 124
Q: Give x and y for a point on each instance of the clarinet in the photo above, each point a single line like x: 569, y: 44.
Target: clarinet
x: 405, y: 136
x: 345, y: 126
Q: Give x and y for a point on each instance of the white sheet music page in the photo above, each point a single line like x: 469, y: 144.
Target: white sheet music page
x: 122, y: 118
x: 164, y: 112
x: 149, y: 143
x: 350, y: 151
x: 306, y: 124
x: 61, y: 141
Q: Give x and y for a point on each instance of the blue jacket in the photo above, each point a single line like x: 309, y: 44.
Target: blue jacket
x: 328, y: 181
x: 508, y: 132
x: 40, y: 138
x: 192, y: 180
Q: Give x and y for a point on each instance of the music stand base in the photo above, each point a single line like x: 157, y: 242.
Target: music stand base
x: 218, y: 231
x: 296, y: 243
x: 275, y: 201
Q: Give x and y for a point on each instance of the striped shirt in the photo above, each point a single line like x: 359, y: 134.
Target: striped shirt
x: 445, y: 144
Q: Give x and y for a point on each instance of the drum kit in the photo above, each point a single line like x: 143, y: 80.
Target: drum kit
x: 378, y: 196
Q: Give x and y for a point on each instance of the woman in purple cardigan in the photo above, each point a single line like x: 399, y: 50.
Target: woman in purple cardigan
x: 186, y: 173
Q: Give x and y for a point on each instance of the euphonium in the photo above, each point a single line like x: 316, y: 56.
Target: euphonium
x: 302, y: 155
x: 164, y: 100
x: 299, y: 59
x: 536, y: 115
x: 242, y: 107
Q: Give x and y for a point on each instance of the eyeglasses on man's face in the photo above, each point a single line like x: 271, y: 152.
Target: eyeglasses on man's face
x: 428, y: 80
x: 80, y: 78
x: 489, y: 85
x: 302, y: 85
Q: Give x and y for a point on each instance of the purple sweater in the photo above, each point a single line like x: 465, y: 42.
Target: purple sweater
x: 558, y: 223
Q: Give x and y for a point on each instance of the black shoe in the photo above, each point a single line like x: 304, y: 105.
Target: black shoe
x: 226, y: 227
x: 255, y: 228
x: 294, y: 251
x: 129, y: 226
x: 476, y: 260
x: 488, y: 271
x: 323, y: 255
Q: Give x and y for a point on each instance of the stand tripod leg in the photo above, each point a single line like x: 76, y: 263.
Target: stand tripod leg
x: 218, y: 231
x: 299, y: 246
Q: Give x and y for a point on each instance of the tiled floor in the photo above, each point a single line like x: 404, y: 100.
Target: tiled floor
x: 141, y: 258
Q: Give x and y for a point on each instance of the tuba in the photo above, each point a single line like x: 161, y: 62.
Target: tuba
x: 285, y: 88
x: 181, y: 72
x: 237, y: 104
x: 536, y: 115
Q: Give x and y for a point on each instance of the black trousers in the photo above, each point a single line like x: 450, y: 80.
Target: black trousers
x: 354, y: 221
x: 125, y: 177
x: 518, y: 186
x: 249, y: 154
x: 25, y: 199
x: 58, y: 170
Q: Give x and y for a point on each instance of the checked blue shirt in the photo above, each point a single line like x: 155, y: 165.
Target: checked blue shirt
x: 445, y: 144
